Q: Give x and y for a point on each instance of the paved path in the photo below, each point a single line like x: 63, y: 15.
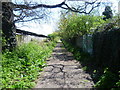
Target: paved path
x: 63, y: 71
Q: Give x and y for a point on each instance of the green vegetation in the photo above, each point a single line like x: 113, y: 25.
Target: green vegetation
x: 107, y: 77
x: 104, y: 78
x: 2, y: 39
x: 78, y: 54
x: 54, y: 36
x: 77, y: 25
x: 21, y: 67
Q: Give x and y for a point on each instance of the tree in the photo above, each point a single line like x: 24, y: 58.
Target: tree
x: 8, y: 26
x: 107, y: 13
x: 9, y: 18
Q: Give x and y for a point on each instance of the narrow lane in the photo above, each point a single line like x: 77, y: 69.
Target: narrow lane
x: 63, y: 71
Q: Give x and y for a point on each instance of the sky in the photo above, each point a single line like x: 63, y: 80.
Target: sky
x: 51, y: 24
x: 44, y: 27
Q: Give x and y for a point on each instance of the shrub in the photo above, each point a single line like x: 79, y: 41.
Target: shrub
x: 77, y: 25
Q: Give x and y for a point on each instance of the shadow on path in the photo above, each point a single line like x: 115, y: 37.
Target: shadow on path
x: 63, y: 71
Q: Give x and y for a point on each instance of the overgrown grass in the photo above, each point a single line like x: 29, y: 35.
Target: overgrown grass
x: 103, y: 77
x: 21, y: 67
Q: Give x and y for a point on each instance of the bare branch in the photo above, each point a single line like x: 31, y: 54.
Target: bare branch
x: 38, y: 6
x: 62, y: 5
x: 29, y: 10
x: 82, y: 9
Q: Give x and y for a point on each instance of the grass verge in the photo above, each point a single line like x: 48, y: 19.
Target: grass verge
x: 21, y: 67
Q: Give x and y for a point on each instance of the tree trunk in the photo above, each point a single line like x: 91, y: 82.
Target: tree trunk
x: 8, y: 26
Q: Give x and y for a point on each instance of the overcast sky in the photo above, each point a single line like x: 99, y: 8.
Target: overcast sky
x: 51, y: 24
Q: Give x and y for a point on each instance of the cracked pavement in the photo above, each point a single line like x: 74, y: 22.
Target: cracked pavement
x: 63, y: 71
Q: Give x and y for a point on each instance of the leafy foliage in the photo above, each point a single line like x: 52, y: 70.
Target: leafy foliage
x: 107, y: 77
x: 2, y: 39
x: 54, y: 36
x: 76, y: 25
x: 21, y: 67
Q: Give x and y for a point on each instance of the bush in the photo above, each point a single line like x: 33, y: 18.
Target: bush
x: 77, y: 25
x: 54, y: 36
x: 21, y: 67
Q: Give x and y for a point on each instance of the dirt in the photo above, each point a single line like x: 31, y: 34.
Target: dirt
x: 63, y: 71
